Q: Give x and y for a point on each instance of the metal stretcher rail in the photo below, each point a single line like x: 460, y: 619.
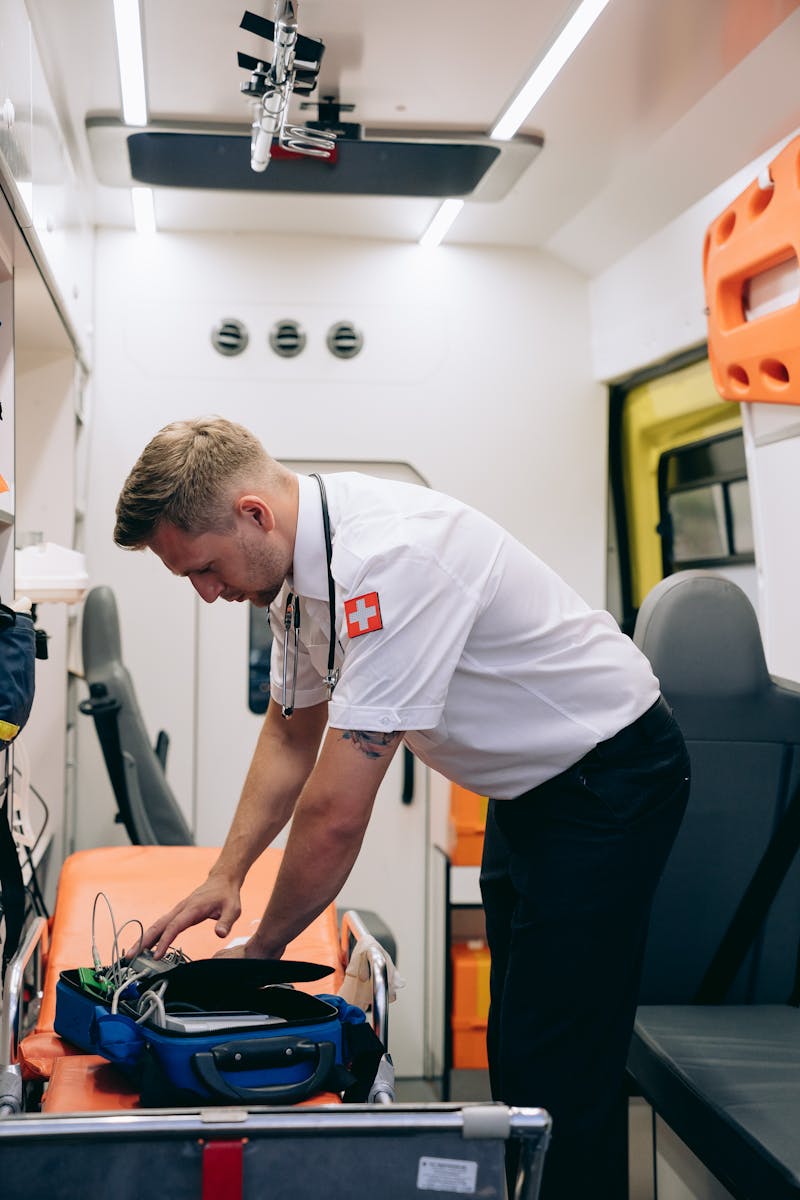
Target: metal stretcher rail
x: 353, y: 926
x: 400, y: 1149
x: 10, y: 1015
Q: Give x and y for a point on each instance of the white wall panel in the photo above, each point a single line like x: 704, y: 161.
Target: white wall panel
x: 475, y: 369
x: 772, y: 439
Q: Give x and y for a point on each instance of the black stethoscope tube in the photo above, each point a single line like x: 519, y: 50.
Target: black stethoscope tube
x: 291, y: 620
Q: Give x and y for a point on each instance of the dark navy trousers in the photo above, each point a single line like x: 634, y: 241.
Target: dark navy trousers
x: 568, y: 875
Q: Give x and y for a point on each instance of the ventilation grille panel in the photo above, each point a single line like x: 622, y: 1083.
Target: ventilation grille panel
x: 287, y: 338
x: 344, y: 340
x: 229, y: 337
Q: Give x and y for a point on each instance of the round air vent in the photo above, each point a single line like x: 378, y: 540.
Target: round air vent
x: 230, y: 337
x: 287, y: 338
x: 344, y: 340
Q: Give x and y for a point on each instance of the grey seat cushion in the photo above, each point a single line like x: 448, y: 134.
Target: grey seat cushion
x: 727, y: 1081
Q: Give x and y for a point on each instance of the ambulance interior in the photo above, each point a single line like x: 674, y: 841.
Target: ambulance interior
x: 495, y: 286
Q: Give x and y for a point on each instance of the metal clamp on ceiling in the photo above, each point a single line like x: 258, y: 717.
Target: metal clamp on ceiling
x: 295, y: 66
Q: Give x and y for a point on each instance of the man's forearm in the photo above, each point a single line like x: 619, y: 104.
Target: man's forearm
x: 318, y: 858
x: 327, y: 831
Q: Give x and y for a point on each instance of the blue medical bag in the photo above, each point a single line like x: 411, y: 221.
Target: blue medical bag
x: 229, y: 1030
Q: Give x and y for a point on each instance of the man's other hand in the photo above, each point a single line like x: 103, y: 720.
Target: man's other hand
x: 217, y: 899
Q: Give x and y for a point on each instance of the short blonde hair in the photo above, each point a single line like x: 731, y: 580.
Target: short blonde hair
x: 185, y: 475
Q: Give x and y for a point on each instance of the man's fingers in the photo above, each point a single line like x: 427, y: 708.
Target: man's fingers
x: 231, y: 911
x: 151, y: 935
x: 187, y: 915
x: 198, y: 907
x: 156, y: 931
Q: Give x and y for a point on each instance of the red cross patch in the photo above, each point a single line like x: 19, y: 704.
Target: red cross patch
x: 363, y: 614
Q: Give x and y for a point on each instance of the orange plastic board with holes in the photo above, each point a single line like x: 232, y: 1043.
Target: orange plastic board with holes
x: 751, y: 273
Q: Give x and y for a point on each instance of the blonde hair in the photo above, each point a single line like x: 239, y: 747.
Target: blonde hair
x: 185, y: 475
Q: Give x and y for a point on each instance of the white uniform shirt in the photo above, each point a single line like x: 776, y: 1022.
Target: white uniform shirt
x: 498, y: 672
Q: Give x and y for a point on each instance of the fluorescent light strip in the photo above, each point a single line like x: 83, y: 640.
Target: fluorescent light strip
x: 144, y: 212
x: 524, y: 101
x: 128, y: 26
x: 548, y: 67
x: 443, y: 218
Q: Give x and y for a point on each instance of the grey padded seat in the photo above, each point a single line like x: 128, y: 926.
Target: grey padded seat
x: 727, y: 1081
x: 742, y: 728
x: 724, y: 1077
x: 146, y: 803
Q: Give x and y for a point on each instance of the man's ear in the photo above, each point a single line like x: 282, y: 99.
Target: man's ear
x: 253, y: 508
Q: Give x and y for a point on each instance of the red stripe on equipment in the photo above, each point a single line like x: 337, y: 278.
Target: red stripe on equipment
x: 222, y: 1170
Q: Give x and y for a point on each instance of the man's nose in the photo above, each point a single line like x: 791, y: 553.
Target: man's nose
x: 207, y: 587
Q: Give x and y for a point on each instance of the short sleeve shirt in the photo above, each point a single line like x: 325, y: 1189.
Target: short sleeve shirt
x: 450, y: 630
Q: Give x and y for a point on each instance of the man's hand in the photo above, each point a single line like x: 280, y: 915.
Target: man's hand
x: 251, y: 949
x: 216, y: 899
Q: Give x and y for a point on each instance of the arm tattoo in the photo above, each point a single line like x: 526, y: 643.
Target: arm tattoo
x: 370, y: 743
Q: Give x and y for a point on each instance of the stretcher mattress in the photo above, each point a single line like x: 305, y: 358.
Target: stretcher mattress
x: 142, y: 882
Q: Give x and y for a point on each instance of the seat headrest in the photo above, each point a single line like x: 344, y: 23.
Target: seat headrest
x: 100, y: 633
x: 700, y: 633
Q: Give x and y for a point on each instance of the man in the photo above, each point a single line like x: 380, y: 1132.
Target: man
x: 451, y: 636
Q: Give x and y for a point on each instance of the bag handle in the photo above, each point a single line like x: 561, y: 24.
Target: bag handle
x: 258, y: 1053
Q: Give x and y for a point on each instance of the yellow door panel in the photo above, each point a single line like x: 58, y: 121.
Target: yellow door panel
x: 671, y: 411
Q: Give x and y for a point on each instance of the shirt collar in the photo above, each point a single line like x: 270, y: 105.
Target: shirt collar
x: 309, y: 567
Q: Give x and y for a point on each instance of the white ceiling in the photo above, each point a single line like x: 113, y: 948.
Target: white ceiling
x: 663, y: 101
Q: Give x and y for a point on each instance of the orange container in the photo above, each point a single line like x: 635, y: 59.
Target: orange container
x: 468, y: 824
x: 470, y: 963
x: 469, y: 1047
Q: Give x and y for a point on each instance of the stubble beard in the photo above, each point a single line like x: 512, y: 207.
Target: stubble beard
x: 262, y: 565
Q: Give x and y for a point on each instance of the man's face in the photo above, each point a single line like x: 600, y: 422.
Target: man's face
x: 244, y: 563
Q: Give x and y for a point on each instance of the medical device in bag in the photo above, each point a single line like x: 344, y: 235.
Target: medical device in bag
x: 215, y: 1030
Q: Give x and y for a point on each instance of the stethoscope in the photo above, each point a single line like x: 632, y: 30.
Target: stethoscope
x: 291, y: 621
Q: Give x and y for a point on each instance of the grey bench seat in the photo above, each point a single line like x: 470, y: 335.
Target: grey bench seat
x: 726, y: 1079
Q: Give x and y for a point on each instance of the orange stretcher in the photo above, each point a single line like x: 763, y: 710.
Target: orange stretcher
x: 142, y: 882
